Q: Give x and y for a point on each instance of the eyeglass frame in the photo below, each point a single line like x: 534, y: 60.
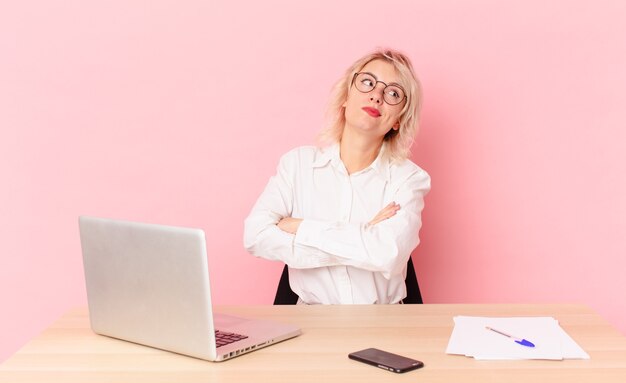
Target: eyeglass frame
x: 376, y: 84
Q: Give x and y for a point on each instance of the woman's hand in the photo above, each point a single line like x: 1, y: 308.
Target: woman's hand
x: 387, y: 212
x: 289, y: 225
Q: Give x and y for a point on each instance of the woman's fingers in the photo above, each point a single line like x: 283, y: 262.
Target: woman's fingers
x: 289, y: 224
x: 386, y: 213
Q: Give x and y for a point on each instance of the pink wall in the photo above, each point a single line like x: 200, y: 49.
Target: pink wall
x: 177, y: 112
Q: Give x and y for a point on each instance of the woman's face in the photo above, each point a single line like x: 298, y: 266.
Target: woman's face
x: 367, y: 111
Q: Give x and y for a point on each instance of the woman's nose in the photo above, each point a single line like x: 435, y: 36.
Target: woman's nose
x: 377, y: 94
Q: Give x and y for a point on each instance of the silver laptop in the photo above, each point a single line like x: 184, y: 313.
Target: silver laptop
x: 149, y: 284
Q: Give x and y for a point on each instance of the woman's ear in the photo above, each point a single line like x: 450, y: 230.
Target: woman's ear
x: 396, y: 126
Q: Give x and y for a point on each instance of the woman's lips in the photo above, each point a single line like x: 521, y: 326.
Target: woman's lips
x: 371, y: 111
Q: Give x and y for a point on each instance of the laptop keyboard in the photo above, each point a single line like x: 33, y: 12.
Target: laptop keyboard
x: 222, y: 338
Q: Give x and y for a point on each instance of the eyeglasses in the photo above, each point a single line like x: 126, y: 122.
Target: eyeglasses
x: 365, y: 82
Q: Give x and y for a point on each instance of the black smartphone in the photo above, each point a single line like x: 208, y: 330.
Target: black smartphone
x: 386, y: 360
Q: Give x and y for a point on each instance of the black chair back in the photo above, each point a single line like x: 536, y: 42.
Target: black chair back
x: 285, y: 296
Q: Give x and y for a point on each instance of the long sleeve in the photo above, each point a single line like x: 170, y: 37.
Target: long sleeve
x: 262, y: 237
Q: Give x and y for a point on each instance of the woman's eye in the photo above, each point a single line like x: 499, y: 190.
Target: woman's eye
x: 395, y: 93
x: 368, y: 82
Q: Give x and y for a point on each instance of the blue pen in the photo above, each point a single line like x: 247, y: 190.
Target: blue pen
x: 523, y: 342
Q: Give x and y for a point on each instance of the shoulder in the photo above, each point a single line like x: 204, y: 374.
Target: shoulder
x: 408, y: 173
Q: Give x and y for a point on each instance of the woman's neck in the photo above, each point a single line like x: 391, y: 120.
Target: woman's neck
x: 358, y: 152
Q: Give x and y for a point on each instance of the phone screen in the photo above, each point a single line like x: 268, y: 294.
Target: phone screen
x: 386, y: 360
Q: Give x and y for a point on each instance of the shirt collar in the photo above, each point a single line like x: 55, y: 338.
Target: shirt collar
x: 381, y: 164
x: 331, y: 154
x: 325, y: 155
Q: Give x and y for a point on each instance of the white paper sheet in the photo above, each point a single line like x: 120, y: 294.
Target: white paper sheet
x: 471, y: 338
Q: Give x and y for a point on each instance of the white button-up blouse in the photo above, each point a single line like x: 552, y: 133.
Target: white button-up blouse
x: 336, y: 257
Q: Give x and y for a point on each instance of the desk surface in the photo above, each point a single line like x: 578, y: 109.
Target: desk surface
x: 68, y: 351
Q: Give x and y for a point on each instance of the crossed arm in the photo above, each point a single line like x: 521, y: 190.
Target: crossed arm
x: 291, y: 225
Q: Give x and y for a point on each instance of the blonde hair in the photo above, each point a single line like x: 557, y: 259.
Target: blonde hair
x: 398, y: 141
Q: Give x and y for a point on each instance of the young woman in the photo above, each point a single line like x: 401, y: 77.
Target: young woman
x: 345, y: 216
